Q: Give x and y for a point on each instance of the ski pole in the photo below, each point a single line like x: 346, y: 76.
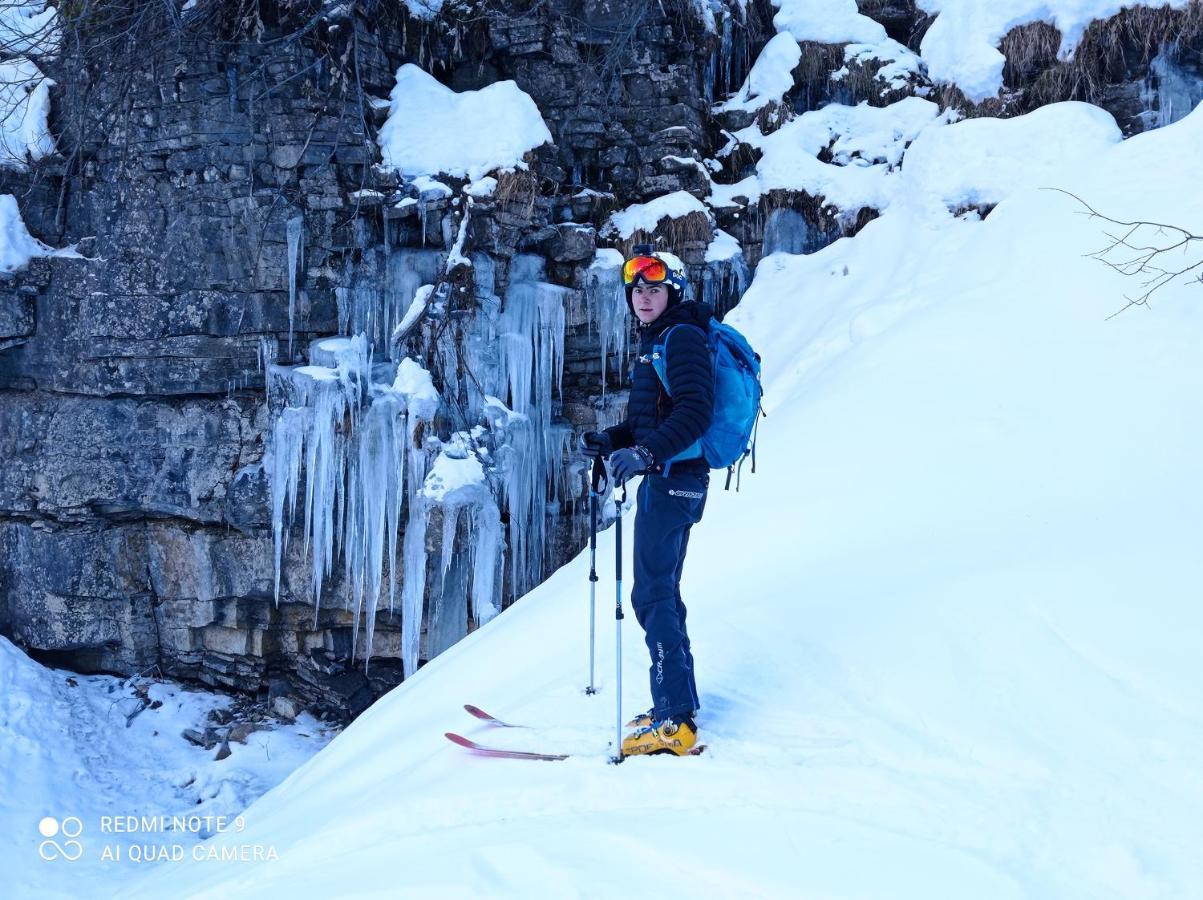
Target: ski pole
x: 618, y: 618
x: 599, y: 475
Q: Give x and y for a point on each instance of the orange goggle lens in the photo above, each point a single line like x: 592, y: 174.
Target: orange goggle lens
x: 648, y: 268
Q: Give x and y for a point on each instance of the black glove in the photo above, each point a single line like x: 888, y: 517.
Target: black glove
x: 632, y: 461
x: 595, y: 443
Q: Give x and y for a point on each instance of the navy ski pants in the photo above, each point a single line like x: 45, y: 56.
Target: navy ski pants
x: 668, y: 508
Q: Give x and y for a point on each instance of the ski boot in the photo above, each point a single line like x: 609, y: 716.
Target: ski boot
x: 644, y: 720
x: 673, y: 735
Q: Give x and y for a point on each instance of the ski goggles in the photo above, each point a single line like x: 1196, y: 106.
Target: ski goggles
x: 650, y: 269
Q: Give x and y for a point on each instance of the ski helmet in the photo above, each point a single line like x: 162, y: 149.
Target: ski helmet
x: 655, y: 267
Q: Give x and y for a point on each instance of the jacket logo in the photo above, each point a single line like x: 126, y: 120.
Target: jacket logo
x: 692, y: 495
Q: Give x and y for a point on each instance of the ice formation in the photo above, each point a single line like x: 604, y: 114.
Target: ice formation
x: 362, y: 429
x: 726, y: 274
x: 1171, y: 92
x: 350, y: 437
x: 296, y: 236
x: 382, y: 294
x: 607, y: 308
x: 531, y: 333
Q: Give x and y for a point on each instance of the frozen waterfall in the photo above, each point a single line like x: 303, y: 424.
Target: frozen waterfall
x: 349, y: 436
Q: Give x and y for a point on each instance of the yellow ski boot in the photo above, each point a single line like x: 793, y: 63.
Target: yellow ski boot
x: 666, y: 736
x: 643, y: 720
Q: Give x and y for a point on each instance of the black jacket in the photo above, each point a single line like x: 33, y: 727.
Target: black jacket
x: 667, y: 425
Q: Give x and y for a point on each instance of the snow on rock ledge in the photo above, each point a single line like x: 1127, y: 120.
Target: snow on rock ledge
x: 826, y: 22
x: 432, y: 129
x: 772, y: 75
x: 17, y: 245
x: 865, y: 143
x: 646, y: 216
x: 961, y: 47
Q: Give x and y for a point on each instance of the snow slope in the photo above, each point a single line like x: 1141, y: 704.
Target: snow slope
x: 946, y: 636
x: 77, y: 747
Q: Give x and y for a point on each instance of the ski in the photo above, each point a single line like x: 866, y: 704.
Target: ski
x: 501, y: 753
x: 485, y: 717
x: 482, y: 750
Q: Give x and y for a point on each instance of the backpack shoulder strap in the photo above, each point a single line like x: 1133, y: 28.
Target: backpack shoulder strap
x: 660, y: 352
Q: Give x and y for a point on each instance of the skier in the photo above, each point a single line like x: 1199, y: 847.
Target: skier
x: 660, y: 426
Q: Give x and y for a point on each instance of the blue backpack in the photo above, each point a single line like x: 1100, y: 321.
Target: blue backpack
x: 731, y: 436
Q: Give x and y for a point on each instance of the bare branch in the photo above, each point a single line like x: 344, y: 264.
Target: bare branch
x: 1146, y: 257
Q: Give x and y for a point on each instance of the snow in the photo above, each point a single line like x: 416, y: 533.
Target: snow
x: 646, y: 216
x: 29, y: 27
x: 429, y: 189
x: 482, y: 187
x: 974, y: 162
x: 946, y: 636
x: 329, y: 352
x: 723, y: 247
x: 961, y: 46
x: 415, y: 383
x: 771, y: 76
x: 449, y: 476
x: 416, y: 308
x: 17, y: 245
x: 826, y: 22
x: 24, y: 109
x: 431, y: 129
x: 865, y: 142
x: 67, y: 750
x: 982, y: 161
x: 901, y: 65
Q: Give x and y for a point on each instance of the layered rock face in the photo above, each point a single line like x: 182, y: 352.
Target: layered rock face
x: 220, y: 174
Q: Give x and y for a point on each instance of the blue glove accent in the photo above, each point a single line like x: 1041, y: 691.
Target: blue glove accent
x: 627, y: 463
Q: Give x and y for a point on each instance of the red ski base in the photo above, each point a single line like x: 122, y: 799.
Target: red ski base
x: 482, y: 750
x: 485, y: 717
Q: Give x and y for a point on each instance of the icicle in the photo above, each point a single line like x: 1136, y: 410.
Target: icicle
x: 532, y: 348
x: 607, y: 304
x: 296, y: 234
x: 486, y: 560
x: 1170, y: 93
x: 349, y: 437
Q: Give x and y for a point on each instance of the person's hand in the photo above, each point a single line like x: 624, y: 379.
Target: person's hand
x: 595, y: 443
x: 632, y: 461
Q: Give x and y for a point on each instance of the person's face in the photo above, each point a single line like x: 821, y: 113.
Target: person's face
x: 649, y: 301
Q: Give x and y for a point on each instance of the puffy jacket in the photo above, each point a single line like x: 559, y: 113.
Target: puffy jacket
x: 665, y: 424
